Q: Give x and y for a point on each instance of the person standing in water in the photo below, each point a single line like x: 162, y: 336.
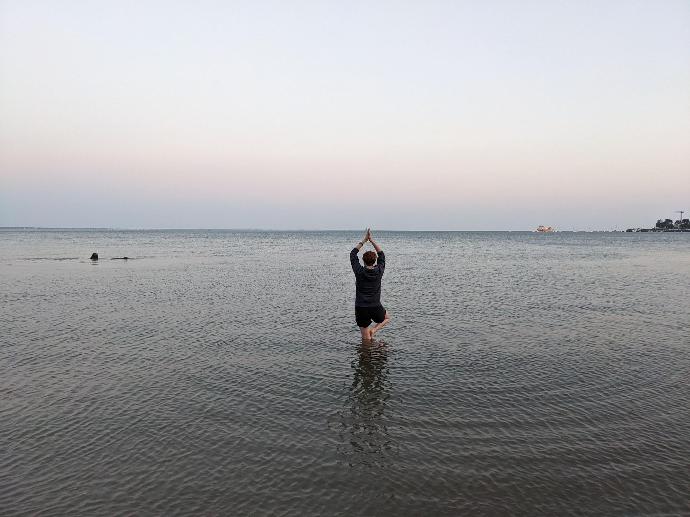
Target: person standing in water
x: 368, y: 306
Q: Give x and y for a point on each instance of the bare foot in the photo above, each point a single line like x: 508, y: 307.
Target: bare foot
x: 379, y: 326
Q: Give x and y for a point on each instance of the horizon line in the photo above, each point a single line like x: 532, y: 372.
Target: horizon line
x: 303, y: 230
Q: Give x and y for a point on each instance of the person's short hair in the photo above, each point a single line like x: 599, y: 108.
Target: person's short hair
x: 369, y: 258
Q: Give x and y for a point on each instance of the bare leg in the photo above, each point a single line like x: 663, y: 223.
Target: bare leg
x: 366, y: 333
x: 379, y: 326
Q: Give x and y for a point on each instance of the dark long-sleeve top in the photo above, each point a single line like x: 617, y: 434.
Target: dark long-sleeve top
x: 367, y: 280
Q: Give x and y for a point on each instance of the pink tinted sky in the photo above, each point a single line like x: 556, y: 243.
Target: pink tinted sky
x: 418, y: 115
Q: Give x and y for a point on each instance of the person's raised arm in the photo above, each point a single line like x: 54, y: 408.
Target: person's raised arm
x: 381, y: 261
x: 354, y: 261
x: 376, y: 246
x: 365, y: 239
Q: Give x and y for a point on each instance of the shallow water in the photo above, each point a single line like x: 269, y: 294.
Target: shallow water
x: 221, y: 372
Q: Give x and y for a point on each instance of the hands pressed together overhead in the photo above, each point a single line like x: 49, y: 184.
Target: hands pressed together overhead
x: 368, y: 237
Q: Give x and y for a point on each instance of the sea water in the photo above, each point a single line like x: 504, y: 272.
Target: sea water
x: 222, y: 373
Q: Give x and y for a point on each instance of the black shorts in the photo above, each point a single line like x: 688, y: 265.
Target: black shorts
x: 364, y: 315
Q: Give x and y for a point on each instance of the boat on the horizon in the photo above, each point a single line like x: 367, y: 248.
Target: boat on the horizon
x: 545, y: 229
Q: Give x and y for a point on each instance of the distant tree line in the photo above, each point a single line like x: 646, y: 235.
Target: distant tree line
x: 668, y: 224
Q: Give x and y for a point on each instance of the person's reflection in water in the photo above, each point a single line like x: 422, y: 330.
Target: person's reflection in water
x: 365, y: 438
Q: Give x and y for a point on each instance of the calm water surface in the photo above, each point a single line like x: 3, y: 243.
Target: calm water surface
x: 221, y: 373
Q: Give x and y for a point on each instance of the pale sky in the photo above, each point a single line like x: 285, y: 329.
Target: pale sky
x: 475, y: 115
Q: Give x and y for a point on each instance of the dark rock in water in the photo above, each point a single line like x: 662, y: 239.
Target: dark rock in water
x: 120, y: 258
x: 94, y: 256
